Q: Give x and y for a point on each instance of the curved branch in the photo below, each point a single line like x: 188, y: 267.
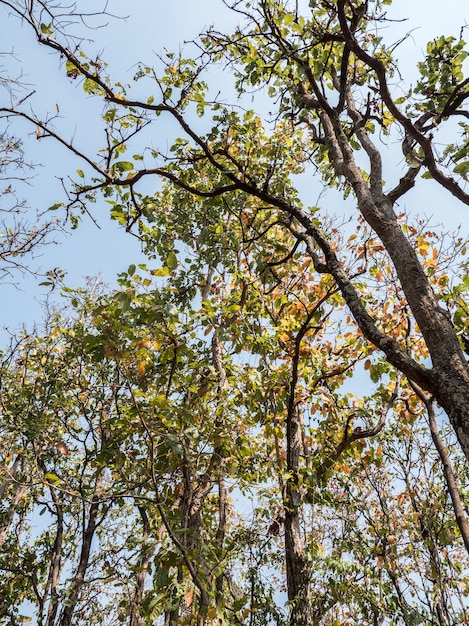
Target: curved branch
x: 355, y: 435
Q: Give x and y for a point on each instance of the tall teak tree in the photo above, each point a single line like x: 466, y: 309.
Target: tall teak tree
x: 229, y: 201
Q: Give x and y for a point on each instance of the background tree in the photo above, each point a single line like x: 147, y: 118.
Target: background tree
x: 22, y: 236
x: 122, y: 437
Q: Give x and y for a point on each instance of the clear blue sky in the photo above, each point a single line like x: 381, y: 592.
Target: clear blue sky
x: 150, y: 27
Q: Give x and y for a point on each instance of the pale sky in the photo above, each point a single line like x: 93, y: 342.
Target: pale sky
x: 151, y: 26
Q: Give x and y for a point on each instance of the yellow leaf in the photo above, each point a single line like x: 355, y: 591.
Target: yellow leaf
x: 162, y: 271
x: 52, y: 478
x: 424, y: 247
x: 142, y: 367
x: 387, y: 119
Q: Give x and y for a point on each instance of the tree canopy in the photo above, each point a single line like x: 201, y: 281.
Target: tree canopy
x: 268, y: 421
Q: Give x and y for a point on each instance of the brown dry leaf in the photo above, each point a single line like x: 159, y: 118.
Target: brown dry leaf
x: 62, y: 448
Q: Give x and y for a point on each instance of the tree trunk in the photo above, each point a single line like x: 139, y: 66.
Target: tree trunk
x: 298, y: 571
x: 79, y: 578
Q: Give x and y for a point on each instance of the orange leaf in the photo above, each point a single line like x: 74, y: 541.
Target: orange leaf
x: 189, y: 597
x: 401, y: 497
x: 142, y: 367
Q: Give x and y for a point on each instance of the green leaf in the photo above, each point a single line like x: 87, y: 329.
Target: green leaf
x: 172, y: 261
x: 55, y: 206
x: 46, y: 29
x: 122, y: 166
x: 124, y: 299
x: 288, y: 19
x: 91, y: 87
x: 462, y: 169
x: 460, y: 154
x: 71, y: 69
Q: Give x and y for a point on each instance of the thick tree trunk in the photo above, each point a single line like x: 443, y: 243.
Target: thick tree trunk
x: 448, y: 380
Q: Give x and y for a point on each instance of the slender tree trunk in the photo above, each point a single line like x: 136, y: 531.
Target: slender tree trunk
x: 451, y: 482
x: 298, y: 570
x: 135, y: 618
x: 55, y: 565
x: 79, y: 578
x: 20, y: 492
x: 222, y: 509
